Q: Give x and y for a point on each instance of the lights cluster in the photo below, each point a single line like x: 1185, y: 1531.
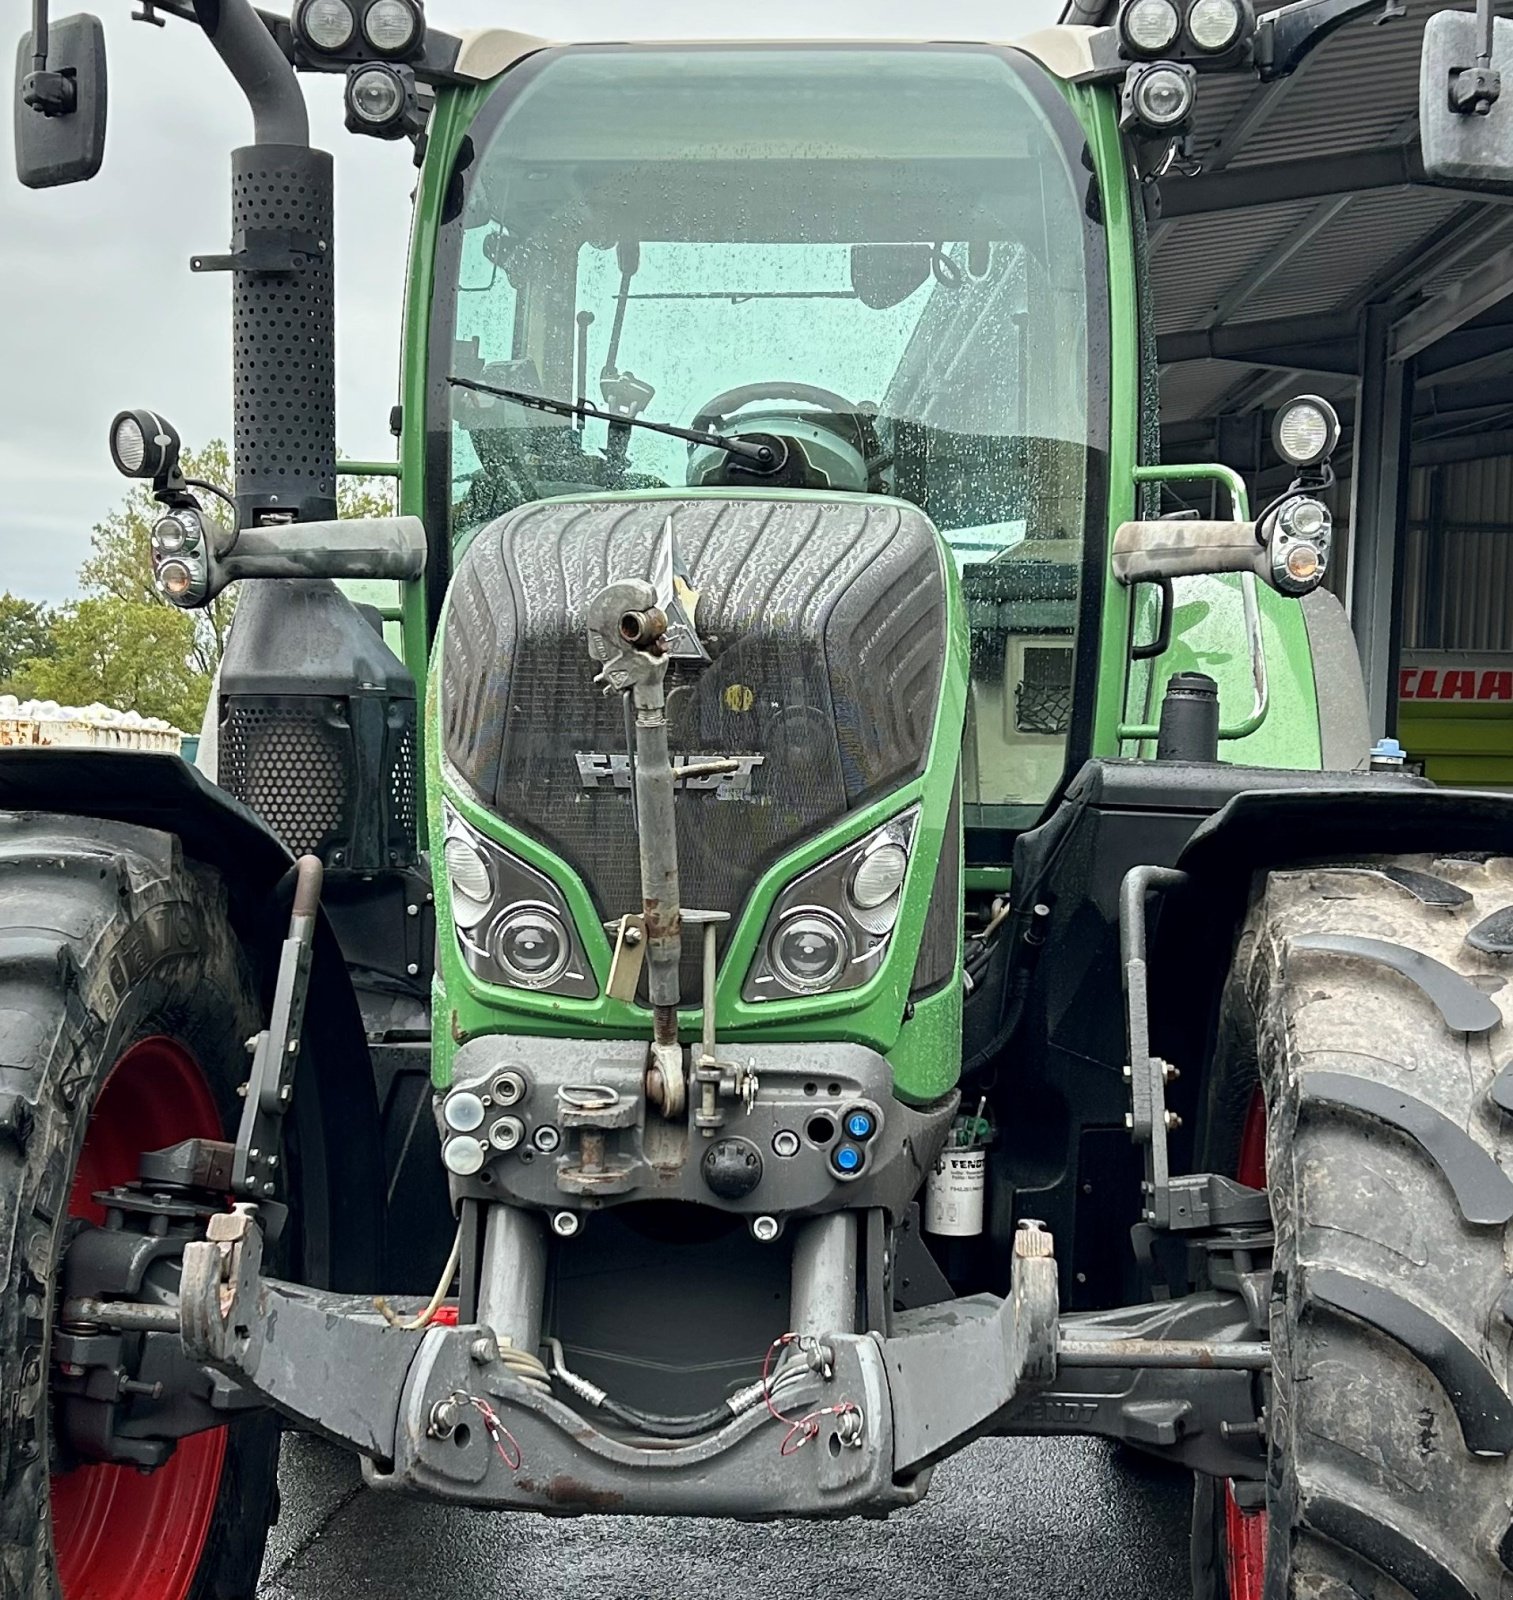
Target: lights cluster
x: 830, y: 927
x: 511, y: 923
x: 391, y: 28
x: 1210, y: 30
x: 180, y: 557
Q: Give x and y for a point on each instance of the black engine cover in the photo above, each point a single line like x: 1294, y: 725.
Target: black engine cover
x: 826, y: 623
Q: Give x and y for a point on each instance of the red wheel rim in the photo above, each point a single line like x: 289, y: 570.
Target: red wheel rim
x: 1245, y: 1530
x: 121, y: 1534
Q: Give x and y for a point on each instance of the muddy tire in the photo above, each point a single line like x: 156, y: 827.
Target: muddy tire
x: 124, y: 1004
x: 1390, y: 1423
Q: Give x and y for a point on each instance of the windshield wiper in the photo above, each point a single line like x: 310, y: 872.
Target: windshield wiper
x: 762, y: 457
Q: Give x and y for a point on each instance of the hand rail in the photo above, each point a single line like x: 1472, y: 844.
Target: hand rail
x: 1216, y: 472
x: 366, y: 469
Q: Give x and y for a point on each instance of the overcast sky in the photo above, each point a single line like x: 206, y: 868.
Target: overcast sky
x: 100, y: 310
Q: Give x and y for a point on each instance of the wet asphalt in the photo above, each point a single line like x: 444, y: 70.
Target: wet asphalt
x: 1011, y: 1519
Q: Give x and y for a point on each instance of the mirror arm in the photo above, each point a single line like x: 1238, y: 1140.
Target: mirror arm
x: 52, y: 93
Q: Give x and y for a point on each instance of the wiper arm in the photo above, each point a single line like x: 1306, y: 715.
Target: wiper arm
x: 763, y: 457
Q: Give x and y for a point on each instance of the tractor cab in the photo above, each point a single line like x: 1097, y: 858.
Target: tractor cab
x: 887, y: 260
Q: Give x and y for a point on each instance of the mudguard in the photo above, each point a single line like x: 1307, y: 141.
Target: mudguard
x: 341, y: 1177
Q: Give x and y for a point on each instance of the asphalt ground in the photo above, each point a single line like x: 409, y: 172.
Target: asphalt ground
x: 1021, y: 1519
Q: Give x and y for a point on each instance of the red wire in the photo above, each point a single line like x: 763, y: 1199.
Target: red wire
x: 800, y: 1429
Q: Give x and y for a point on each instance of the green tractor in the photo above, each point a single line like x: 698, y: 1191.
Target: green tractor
x: 877, y: 932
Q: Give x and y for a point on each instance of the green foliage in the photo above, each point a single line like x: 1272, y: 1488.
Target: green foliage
x: 129, y: 653
x: 123, y: 644
x: 25, y: 635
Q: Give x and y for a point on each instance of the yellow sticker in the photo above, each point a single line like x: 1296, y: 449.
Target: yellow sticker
x: 739, y: 698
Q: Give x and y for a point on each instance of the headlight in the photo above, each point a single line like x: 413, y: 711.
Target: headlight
x: 391, y: 26
x: 179, y: 530
x: 471, y: 883
x: 808, y: 951
x: 1214, y: 25
x: 1149, y: 27
x: 326, y: 25
x: 532, y: 946
x: 1160, y: 97
x: 829, y: 929
x: 511, y: 923
x: 375, y: 96
x: 1306, y: 431
x: 1298, y: 544
x: 143, y: 445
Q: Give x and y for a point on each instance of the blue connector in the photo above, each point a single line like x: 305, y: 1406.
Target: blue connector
x: 860, y: 1124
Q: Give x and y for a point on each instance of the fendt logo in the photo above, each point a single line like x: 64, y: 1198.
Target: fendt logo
x: 599, y: 771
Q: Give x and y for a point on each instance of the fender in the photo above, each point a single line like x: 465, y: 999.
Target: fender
x: 342, y: 1186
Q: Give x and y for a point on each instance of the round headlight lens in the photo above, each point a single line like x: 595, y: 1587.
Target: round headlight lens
x: 390, y: 25
x: 176, y: 579
x: 128, y: 444
x: 878, y: 876
x: 472, y: 882
x: 808, y: 951
x: 1302, y: 563
x: 1305, y: 431
x: 1163, y: 97
x: 328, y: 24
x: 168, y: 535
x: 532, y: 946
x: 1215, y: 24
x: 1305, y: 518
x: 376, y: 95
x: 1150, y: 26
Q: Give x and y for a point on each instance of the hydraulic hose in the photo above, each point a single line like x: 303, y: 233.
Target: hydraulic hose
x: 279, y: 115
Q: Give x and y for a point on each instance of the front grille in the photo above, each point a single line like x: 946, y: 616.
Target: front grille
x: 825, y: 622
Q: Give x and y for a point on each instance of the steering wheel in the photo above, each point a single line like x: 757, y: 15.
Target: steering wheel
x: 846, y: 419
x: 715, y: 414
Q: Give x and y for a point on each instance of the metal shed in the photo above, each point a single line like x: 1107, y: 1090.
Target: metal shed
x: 1308, y: 254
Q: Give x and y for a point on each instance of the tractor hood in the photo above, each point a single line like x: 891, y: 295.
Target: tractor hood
x: 824, y: 623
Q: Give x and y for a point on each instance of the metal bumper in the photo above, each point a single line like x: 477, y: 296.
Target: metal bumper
x: 436, y: 1412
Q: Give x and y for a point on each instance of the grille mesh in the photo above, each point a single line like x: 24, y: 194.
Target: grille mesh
x: 287, y: 762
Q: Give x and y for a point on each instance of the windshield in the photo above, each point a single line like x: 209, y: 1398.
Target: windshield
x: 880, y: 256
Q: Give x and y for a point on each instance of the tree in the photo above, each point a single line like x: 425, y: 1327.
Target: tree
x: 136, y: 654
x: 25, y: 635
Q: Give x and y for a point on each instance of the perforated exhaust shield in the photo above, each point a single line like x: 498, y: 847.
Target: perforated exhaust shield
x: 283, y: 333
x: 826, y: 624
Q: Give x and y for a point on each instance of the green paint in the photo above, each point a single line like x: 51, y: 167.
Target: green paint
x: 988, y: 878
x: 1098, y: 112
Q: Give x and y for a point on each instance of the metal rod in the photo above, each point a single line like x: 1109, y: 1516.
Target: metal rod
x: 657, y: 834
x: 129, y: 1316
x: 1252, y: 1357
x: 39, y: 35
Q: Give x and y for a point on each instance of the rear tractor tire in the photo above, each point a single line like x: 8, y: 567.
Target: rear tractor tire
x: 124, y: 1006
x: 1378, y: 1033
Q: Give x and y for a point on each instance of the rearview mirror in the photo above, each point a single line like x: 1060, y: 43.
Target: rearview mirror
x: 60, y: 104
x: 1465, y: 102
